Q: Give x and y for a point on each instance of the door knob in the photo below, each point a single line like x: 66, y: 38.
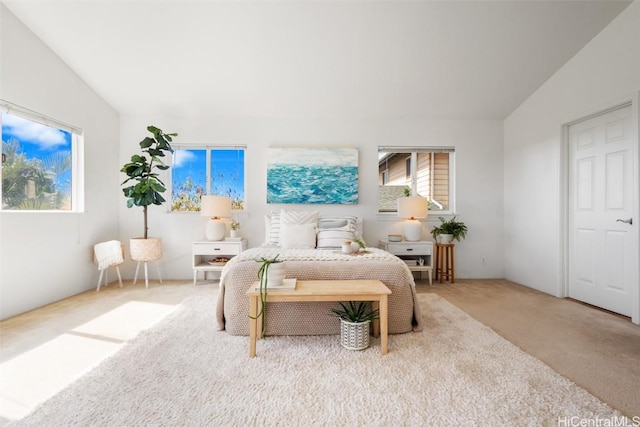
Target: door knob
x: 626, y: 221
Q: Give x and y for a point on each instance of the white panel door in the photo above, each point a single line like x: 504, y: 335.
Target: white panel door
x: 603, y: 249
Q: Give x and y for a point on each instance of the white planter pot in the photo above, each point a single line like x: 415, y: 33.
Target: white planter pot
x: 354, y: 336
x: 276, y: 274
x: 234, y: 233
x: 445, y: 238
x: 145, y: 249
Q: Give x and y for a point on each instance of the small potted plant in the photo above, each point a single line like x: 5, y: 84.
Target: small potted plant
x: 271, y: 274
x: 358, y: 245
x: 449, y: 230
x: 355, y: 318
x: 235, y: 228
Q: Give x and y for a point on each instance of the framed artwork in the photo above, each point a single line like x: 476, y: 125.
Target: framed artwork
x: 312, y: 175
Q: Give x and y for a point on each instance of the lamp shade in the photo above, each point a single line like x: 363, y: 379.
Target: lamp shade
x: 216, y: 206
x: 413, y: 207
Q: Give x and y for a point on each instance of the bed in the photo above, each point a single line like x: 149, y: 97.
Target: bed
x: 313, y: 264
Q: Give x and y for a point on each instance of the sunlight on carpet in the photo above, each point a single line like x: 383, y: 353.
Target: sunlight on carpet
x: 38, y: 374
x: 185, y: 372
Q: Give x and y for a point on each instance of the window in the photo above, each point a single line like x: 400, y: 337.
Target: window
x: 385, y: 176
x: 218, y: 171
x: 40, y: 163
x: 426, y: 171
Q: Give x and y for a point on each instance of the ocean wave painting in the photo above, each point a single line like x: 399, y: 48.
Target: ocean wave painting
x: 312, y: 175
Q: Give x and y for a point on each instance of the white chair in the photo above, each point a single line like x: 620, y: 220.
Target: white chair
x: 105, y: 255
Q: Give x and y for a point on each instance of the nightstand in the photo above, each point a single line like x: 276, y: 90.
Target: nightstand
x: 412, y: 253
x: 205, y: 251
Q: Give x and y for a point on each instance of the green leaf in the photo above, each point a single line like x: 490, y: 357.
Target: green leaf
x: 157, y: 186
x: 146, y: 142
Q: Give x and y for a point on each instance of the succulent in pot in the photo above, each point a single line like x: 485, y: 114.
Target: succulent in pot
x: 354, y: 323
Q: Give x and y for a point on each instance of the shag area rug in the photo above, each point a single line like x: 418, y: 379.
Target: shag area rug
x: 184, y: 372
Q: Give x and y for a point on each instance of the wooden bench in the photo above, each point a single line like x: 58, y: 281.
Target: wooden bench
x: 324, y: 290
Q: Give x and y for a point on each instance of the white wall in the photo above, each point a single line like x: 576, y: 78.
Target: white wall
x: 601, y: 75
x: 47, y: 257
x: 478, y: 178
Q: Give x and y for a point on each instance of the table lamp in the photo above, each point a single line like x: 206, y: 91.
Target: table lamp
x: 216, y: 207
x: 411, y: 208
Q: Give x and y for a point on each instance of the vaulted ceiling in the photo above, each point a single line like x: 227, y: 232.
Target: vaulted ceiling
x: 316, y: 59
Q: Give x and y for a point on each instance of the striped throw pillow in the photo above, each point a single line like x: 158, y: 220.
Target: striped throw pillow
x: 333, y: 230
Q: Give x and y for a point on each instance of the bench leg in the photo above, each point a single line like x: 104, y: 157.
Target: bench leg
x: 384, y: 326
x: 253, y: 325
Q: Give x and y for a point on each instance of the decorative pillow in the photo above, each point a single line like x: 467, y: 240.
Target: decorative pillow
x: 272, y: 228
x: 298, y: 217
x: 274, y: 220
x: 298, y: 235
x: 333, y: 230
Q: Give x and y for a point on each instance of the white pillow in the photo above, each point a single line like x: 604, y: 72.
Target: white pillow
x: 300, y: 236
x: 272, y: 228
x: 298, y: 217
x: 333, y: 230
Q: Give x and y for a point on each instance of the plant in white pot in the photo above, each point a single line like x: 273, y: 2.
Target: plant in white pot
x: 271, y: 274
x: 235, y: 228
x: 145, y: 187
x: 449, y: 230
x: 355, y: 319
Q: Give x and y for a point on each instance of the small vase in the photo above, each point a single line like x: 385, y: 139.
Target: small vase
x: 275, y: 274
x: 346, y: 248
x: 234, y: 233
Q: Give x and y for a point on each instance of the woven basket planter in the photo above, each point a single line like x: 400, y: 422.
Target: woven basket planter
x: 354, y: 336
x: 145, y: 249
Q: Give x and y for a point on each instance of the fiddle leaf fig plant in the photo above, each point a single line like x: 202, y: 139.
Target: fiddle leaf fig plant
x: 145, y: 186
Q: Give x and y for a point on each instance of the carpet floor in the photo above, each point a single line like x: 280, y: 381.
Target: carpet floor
x: 184, y: 372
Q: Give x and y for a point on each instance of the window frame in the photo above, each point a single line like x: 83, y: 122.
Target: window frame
x: 385, y: 176
x: 76, y: 189
x: 412, y: 158
x: 208, y: 148
x: 408, y: 170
